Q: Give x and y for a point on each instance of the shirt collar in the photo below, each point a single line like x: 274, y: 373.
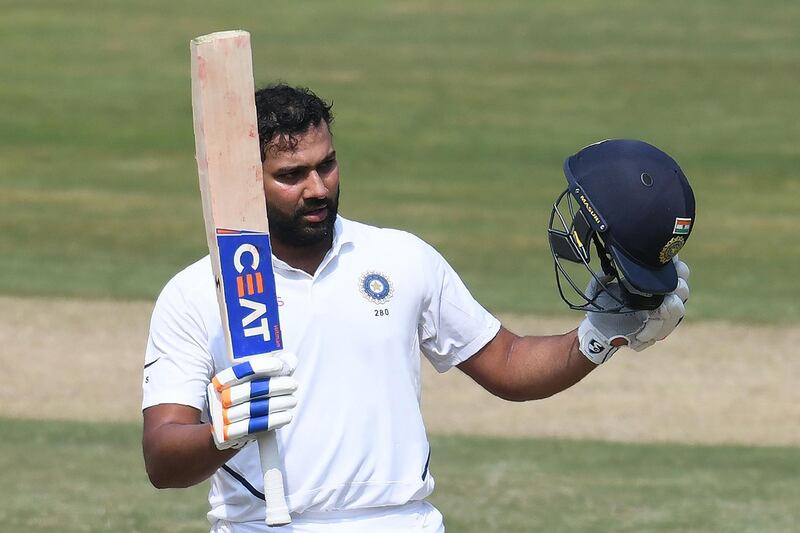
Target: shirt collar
x: 342, y: 234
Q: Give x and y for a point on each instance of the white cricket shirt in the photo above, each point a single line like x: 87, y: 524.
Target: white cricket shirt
x: 378, y: 299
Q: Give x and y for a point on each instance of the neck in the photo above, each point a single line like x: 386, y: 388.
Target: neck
x: 305, y: 258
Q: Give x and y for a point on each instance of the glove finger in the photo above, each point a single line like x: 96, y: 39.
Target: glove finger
x: 674, y: 311
x: 653, y: 324
x: 663, y: 320
x: 282, y: 385
x: 674, y: 308
x: 682, y: 268
x: 243, y: 428
x: 682, y: 290
x: 257, y: 408
x: 257, y: 367
x: 651, y: 329
x: 266, y: 387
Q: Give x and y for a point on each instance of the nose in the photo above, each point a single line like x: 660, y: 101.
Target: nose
x: 315, y: 186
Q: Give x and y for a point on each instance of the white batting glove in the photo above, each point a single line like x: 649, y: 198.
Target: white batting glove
x: 601, y: 334
x: 250, y: 397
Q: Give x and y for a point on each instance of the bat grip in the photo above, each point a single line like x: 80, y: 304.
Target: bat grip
x: 274, y: 496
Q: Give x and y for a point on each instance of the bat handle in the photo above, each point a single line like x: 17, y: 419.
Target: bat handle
x: 274, y: 496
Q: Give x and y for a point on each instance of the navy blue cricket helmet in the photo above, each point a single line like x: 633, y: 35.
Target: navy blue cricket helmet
x: 634, y: 203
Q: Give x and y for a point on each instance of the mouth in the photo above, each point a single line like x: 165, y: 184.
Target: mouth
x: 317, y: 215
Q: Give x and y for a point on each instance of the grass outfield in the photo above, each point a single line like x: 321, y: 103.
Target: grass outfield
x: 453, y: 120
x: 61, y: 476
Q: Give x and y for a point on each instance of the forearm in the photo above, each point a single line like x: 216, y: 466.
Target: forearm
x: 539, y: 367
x: 528, y: 368
x: 180, y: 455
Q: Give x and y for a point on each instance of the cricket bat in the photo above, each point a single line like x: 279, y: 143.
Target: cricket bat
x: 235, y: 212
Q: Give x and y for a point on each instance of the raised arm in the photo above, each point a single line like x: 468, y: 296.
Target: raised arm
x: 528, y: 368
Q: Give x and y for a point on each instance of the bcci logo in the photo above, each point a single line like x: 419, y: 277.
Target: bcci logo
x: 375, y: 287
x: 671, y: 249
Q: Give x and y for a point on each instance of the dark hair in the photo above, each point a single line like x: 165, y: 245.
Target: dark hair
x: 285, y: 112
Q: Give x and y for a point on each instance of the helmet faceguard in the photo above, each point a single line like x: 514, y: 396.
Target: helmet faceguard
x: 633, y: 205
x: 573, y: 241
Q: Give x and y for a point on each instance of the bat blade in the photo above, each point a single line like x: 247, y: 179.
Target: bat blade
x: 235, y: 213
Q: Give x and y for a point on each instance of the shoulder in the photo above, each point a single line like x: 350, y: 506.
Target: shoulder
x: 395, y: 253
x: 190, y: 291
x: 192, y: 281
x: 389, y: 239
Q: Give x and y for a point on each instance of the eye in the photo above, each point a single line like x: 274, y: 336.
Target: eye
x: 326, y: 166
x: 294, y: 175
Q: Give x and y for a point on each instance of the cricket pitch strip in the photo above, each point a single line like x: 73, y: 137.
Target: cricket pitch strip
x: 711, y: 382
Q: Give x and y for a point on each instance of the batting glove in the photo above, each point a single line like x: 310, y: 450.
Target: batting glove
x: 250, y: 397
x: 601, y: 334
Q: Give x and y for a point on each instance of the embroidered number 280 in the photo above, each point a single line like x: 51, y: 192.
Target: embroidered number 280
x: 381, y: 312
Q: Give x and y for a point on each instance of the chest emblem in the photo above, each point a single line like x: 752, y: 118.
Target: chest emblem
x: 375, y: 287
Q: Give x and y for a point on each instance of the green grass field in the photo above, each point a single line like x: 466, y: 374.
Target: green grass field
x: 453, y: 119
x: 90, y: 477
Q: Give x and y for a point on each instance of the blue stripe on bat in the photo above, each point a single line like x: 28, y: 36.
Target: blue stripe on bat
x: 259, y: 387
x: 242, y: 370
x: 258, y: 424
x: 259, y: 408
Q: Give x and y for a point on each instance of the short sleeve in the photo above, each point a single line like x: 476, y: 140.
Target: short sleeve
x: 178, y: 365
x: 453, y: 325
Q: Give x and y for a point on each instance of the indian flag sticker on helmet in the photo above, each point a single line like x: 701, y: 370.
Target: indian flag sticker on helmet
x: 682, y: 226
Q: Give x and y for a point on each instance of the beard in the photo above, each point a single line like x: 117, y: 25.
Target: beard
x: 293, y: 230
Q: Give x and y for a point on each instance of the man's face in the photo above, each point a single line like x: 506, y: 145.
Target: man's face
x: 302, y: 189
